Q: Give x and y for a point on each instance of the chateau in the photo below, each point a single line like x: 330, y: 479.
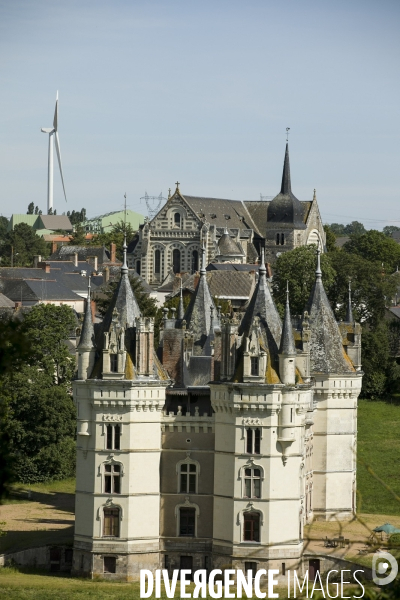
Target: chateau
x: 218, y: 448
x: 229, y: 230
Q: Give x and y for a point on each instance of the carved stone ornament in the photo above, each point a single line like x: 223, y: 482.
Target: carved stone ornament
x: 112, y: 417
x: 254, y: 421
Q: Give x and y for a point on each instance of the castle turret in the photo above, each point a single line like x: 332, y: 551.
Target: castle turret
x: 287, y: 349
x: 86, y: 349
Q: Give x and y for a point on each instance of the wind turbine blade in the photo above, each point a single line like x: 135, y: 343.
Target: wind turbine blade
x: 57, y: 142
x: 56, y: 114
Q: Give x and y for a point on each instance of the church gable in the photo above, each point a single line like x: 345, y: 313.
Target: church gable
x: 176, y: 214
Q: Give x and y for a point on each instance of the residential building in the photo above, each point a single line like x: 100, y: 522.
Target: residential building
x: 104, y: 223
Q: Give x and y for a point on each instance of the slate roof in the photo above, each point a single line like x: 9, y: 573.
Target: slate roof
x: 198, y: 314
x: 87, y: 339
x: 326, y: 349
x: 228, y: 247
x: 231, y: 267
x: 6, y: 302
x: 285, y: 208
x: 221, y: 212
x: 103, y: 255
x: 262, y: 305
x: 222, y: 283
x: 287, y: 345
x: 34, y: 290
x: 56, y: 222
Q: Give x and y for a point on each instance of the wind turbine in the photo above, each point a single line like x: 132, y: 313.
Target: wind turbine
x: 53, y: 131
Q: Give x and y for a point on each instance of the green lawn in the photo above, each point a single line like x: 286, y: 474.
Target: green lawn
x: 378, y: 450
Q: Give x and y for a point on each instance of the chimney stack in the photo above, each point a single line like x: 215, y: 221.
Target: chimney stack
x: 106, y: 275
x: 93, y: 260
x: 75, y: 259
x: 36, y: 260
x: 53, y: 247
x: 113, y: 252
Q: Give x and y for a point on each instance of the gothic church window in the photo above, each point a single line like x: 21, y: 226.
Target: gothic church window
x: 187, y: 521
x: 112, y: 479
x: 176, y: 261
x: 252, y: 483
x: 253, y: 441
x: 157, y: 262
x: 111, y: 519
x: 251, y: 529
x: 188, y: 478
x: 113, y: 434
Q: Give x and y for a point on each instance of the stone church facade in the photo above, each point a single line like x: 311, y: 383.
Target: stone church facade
x: 218, y: 448
x: 174, y: 238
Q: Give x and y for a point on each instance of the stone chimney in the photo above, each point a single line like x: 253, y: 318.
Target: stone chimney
x: 92, y: 260
x: 36, y: 260
x: 113, y: 252
x: 53, y: 247
x: 75, y: 259
x: 44, y: 266
x: 17, y: 305
x: 106, y: 275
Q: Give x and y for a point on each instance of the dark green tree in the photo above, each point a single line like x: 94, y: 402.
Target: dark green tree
x: 24, y: 244
x: 31, y: 208
x: 375, y: 246
x: 116, y: 236
x: 3, y: 229
x: 36, y: 210
x: 78, y: 237
x: 337, y: 228
x: 330, y: 239
x: 354, y: 228
x: 298, y: 267
x: 389, y: 229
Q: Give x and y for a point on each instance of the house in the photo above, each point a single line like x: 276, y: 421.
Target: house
x: 42, y: 224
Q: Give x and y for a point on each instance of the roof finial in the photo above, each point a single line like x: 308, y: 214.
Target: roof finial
x: 318, y: 272
x: 169, y: 193
x: 315, y: 195
x: 88, y: 287
x: 203, y: 261
x: 124, y: 268
x: 287, y: 291
x: 177, y: 186
x: 287, y: 134
x: 262, y: 270
x: 349, y: 313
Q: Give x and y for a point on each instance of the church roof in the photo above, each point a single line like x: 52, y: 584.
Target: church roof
x: 262, y: 305
x: 221, y: 212
x: 326, y: 349
x: 285, y: 208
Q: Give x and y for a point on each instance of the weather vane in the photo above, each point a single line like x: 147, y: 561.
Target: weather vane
x: 287, y: 133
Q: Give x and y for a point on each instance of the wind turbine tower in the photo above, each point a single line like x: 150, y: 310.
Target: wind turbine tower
x: 53, y: 132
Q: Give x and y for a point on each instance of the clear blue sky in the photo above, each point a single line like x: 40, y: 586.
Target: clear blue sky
x: 202, y: 91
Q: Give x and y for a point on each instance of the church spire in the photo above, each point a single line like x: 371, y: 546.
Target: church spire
x: 349, y: 312
x: 286, y: 187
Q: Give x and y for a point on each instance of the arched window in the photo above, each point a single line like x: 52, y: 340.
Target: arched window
x: 188, y: 478
x: 138, y: 267
x: 111, y: 520
x: 157, y: 262
x: 187, y: 522
x: 177, y: 219
x: 195, y: 261
x: 282, y: 239
x: 251, y: 529
x: 176, y: 261
x: 253, y: 441
x: 278, y: 238
x: 112, y: 479
x: 252, y: 483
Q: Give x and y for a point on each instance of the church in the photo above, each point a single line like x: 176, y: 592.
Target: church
x: 229, y: 230
x: 216, y: 449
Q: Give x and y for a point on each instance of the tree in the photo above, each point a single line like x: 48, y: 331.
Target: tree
x: 24, y: 244
x: 381, y: 372
x: 389, y: 229
x: 375, y: 246
x: 298, y: 267
x: 31, y: 208
x: 77, y: 216
x: 78, y: 237
x: 330, y: 239
x: 116, y: 236
x: 50, y: 211
x: 354, y: 228
x: 40, y: 415
x: 337, y: 228
x: 36, y: 210
x: 3, y: 229
x: 371, y: 287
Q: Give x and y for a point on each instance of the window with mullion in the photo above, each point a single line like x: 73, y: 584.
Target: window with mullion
x: 187, y: 518
x: 251, y: 529
x: 188, y: 474
x: 252, y: 483
x: 112, y: 479
x: 253, y: 441
x: 111, y: 522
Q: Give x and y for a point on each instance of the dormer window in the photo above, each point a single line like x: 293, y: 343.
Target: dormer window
x: 114, y: 363
x: 254, y: 362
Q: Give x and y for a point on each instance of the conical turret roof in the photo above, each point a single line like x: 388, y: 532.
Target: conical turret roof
x: 262, y: 306
x: 198, y: 315
x: 87, y: 339
x: 287, y: 346
x: 326, y: 349
x: 285, y: 208
x: 227, y: 246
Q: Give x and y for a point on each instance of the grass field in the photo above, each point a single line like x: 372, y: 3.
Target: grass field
x: 378, y: 454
